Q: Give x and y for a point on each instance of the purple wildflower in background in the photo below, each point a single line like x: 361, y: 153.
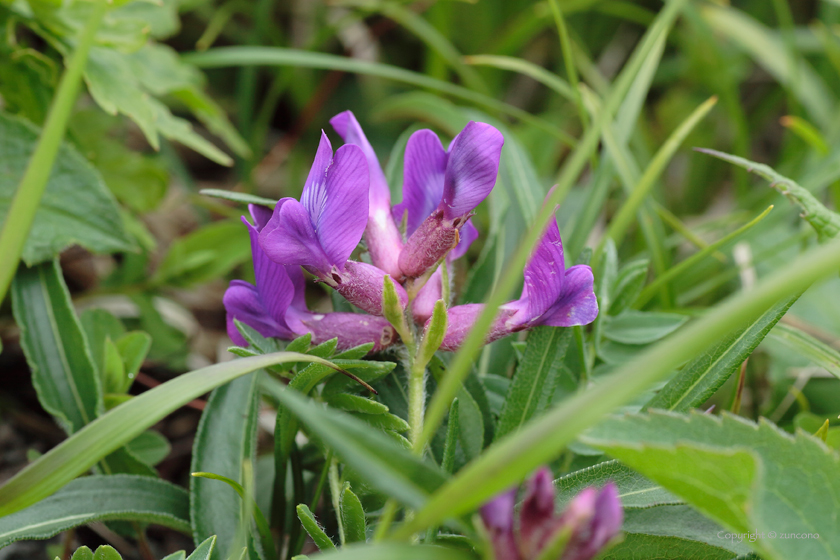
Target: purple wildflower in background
x: 322, y: 230
x: 275, y: 306
x: 551, y: 295
x: 441, y: 188
x: 591, y: 520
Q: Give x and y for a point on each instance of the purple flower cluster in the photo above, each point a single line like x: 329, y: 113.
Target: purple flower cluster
x: 590, y: 521
x: 346, y: 197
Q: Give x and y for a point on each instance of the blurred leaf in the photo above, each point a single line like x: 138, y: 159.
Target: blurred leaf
x: 100, y: 498
x: 384, y: 465
x: 355, y: 403
x: 206, y: 253
x: 628, y: 286
x: 806, y: 345
x: 83, y: 553
x: 76, y: 208
x: 806, y: 131
x: 769, y: 51
x: 313, y: 529
x: 535, y: 379
x: 63, y: 372
x: 391, y: 551
x: 706, y: 373
x: 225, y: 438
x: 638, y: 327
x: 826, y: 222
x: 82, y: 450
x: 748, y: 477
x: 470, y: 425
x: 133, y: 348
x: 150, y: 447
x: 106, y: 552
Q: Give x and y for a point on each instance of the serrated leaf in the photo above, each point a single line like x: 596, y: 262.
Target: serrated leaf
x: 224, y: 439
x: 100, y: 498
x: 535, y: 379
x: 76, y: 208
x: 746, y: 476
x: 823, y: 220
x: 313, y: 529
x: 705, y: 374
x: 640, y: 327
x: 385, y: 465
x: 352, y: 516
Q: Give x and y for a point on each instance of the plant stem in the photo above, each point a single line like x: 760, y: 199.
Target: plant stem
x: 21, y: 213
x: 416, y: 402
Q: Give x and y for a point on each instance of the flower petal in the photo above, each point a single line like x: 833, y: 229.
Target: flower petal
x: 274, y: 287
x: 346, y: 125
x: 314, y: 189
x: 424, y: 304
x: 497, y: 515
x: 544, y: 275
x: 460, y: 320
x: 608, y: 515
x: 471, y: 168
x: 242, y: 301
x: 423, y: 176
x: 361, y: 284
x: 577, y: 304
x: 260, y: 214
x: 536, y: 518
x: 289, y: 238
x: 344, y: 209
x: 468, y: 234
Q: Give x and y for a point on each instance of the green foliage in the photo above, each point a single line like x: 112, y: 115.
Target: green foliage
x: 225, y: 438
x: 77, y: 207
x: 748, y: 477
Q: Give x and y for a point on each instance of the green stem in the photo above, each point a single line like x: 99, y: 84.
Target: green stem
x: 31, y: 188
x: 416, y: 402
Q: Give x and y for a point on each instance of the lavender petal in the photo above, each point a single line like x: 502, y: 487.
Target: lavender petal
x: 471, y: 168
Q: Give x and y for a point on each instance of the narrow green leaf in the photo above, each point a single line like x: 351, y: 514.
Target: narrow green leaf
x: 276, y: 56
x: 826, y: 222
x: 637, y: 327
x: 447, y: 463
x: 434, y: 333
x: 535, y: 379
x: 100, y: 498
x: 470, y: 425
x: 243, y: 198
x: 806, y: 345
x: 384, y: 464
x: 58, y: 355
x: 526, y: 68
x: 706, y: 373
x: 352, y: 516
x: 355, y: 403
x: 225, y: 438
x: 82, y: 450
x: 307, y: 519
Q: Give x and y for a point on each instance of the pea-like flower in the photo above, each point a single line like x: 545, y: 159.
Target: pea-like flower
x: 275, y: 306
x: 591, y: 520
x: 322, y: 230
x: 441, y: 188
x: 551, y: 295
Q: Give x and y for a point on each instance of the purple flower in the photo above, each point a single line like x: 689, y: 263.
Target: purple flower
x: 592, y: 520
x: 440, y: 190
x: 275, y: 306
x: 551, y: 295
x: 384, y: 241
x: 322, y: 230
